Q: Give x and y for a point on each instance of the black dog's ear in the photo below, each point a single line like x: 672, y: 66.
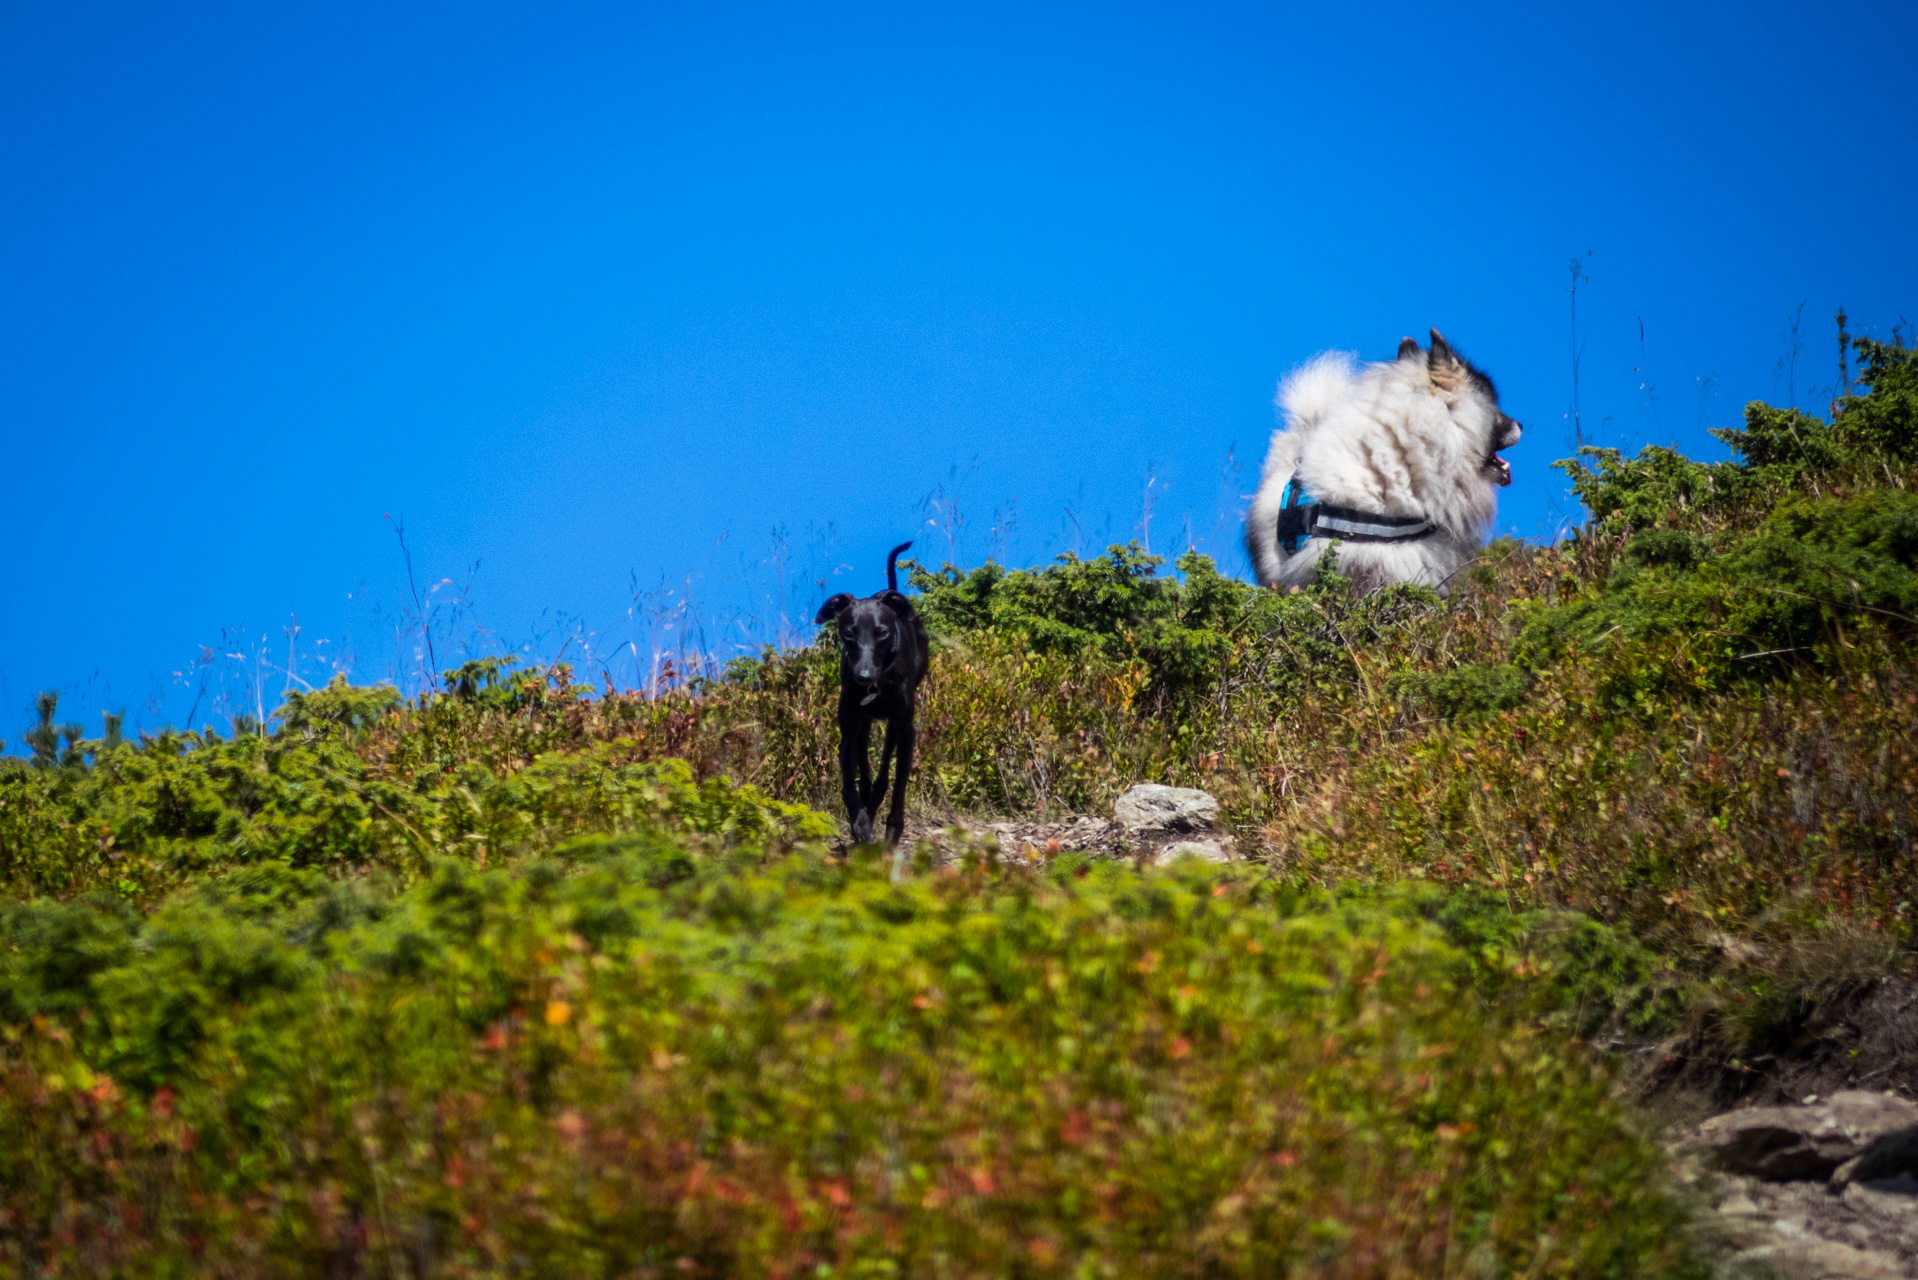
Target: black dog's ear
x: 898, y: 603
x: 1409, y: 347
x: 830, y: 611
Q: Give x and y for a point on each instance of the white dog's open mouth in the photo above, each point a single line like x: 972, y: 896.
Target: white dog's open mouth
x: 1499, y: 470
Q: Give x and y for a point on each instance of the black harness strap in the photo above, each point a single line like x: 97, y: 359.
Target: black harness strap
x: 1300, y: 519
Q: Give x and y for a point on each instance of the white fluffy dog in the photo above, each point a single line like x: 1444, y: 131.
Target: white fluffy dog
x: 1395, y: 461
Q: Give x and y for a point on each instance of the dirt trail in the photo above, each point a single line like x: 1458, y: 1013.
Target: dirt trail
x: 1015, y: 839
x: 1032, y: 840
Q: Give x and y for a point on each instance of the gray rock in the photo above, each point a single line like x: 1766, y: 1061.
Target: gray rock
x: 1808, y: 1259
x: 1896, y: 1195
x: 1211, y: 849
x: 1869, y: 1135
x: 1150, y: 809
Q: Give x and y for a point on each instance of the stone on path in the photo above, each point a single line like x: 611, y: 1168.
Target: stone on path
x: 1858, y: 1135
x: 1811, y: 1259
x: 1150, y: 809
x: 1173, y: 823
x: 1212, y: 850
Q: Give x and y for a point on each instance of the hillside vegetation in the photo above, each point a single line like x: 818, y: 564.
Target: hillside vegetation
x: 528, y: 977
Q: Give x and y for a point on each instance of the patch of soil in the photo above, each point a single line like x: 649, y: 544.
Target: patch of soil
x: 1101, y: 837
x: 1870, y: 1042
x: 1866, y: 1041
x: 1035, y: 841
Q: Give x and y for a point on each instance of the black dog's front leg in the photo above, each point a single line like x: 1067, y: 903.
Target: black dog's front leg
x: 899, y: 738
x: 855, y: 738
x: 876, y: 789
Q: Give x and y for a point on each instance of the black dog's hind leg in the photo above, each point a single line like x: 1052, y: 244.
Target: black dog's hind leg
x: 899, y: 738
x: 855, y: 740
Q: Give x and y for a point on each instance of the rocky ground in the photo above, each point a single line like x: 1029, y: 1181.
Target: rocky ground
x: 1826, y: 1189
x: 1149, y: 821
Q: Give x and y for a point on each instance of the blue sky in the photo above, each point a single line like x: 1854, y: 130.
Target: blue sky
x: 672, y: 320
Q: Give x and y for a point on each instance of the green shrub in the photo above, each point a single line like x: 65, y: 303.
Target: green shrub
x: 653, y: 1053
x: 1464, y: 690
x: 1111, y: 605
x: 338, y: 708
x: 1813, y: 569
x: 1659, y: 487
x: 185, y: 806
x: 1866, y: 432
x: 1884, y: 422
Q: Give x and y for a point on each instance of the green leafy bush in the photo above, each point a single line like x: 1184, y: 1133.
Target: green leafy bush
x: 1464, y: 690
x: 1812, y: 569
x: 143, y: 820
x: 1659, y: 487
x: 1111, y: 605
x: 1868, y: 432
x: 1884, y: 421
x: 652, y: 1054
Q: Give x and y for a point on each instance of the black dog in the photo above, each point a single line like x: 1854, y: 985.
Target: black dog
x: 882, y: 658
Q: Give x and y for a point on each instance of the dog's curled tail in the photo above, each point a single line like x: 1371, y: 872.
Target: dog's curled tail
x: 892, y: 563
x: 1311, y: 391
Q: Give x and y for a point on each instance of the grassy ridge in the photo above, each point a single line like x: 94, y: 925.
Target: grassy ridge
x: 532, y: 976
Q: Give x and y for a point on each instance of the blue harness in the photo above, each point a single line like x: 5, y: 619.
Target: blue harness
x: 1301, y: 518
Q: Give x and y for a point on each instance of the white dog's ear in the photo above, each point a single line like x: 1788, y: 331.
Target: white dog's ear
x: 1444, y: 367
x: 1409, y: 347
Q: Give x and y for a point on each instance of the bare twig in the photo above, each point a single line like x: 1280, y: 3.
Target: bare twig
x: 1578, y: 352
x: 426, y: 630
